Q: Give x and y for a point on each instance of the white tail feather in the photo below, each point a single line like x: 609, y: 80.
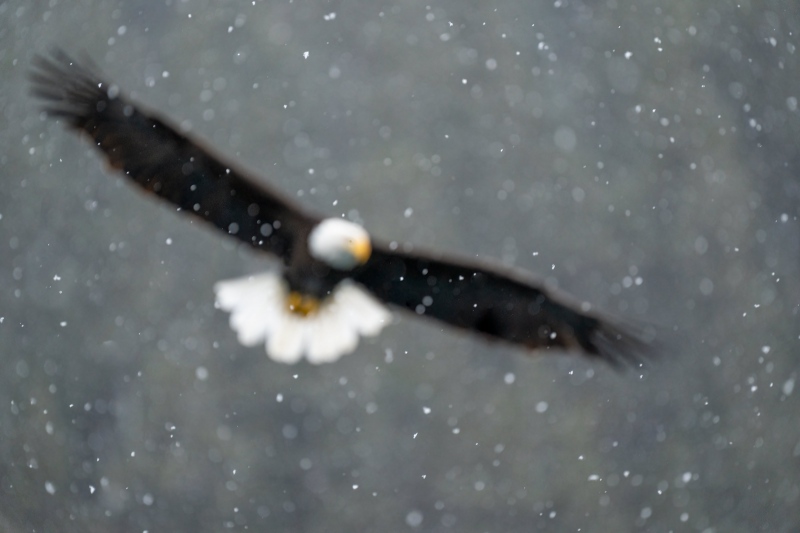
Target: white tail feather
x: 288, y: 341
x: 259, y: 313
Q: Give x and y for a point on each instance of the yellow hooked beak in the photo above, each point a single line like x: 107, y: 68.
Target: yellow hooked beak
x: 361, y: 250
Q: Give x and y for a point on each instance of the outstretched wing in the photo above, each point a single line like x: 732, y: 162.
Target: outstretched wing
x: 153, y: 154
x: 498, y: 303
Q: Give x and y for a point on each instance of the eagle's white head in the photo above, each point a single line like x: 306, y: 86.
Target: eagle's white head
x: 339, y: 243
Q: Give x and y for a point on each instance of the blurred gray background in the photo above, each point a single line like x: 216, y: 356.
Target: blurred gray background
x: 641, y: 155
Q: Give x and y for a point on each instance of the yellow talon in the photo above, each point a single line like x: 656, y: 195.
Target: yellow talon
x: 302, y: 304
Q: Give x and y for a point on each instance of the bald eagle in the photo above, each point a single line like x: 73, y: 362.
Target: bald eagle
x: 335, y: 283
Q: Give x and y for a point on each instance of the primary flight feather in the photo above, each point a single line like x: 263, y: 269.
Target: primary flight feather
x: 335, y: 281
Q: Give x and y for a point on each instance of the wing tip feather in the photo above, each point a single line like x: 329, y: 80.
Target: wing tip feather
x: 66, y: 88
x: 625, y: 345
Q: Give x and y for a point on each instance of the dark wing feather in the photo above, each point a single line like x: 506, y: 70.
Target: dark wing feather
x: 498, y: 303
x: 153, y: 154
